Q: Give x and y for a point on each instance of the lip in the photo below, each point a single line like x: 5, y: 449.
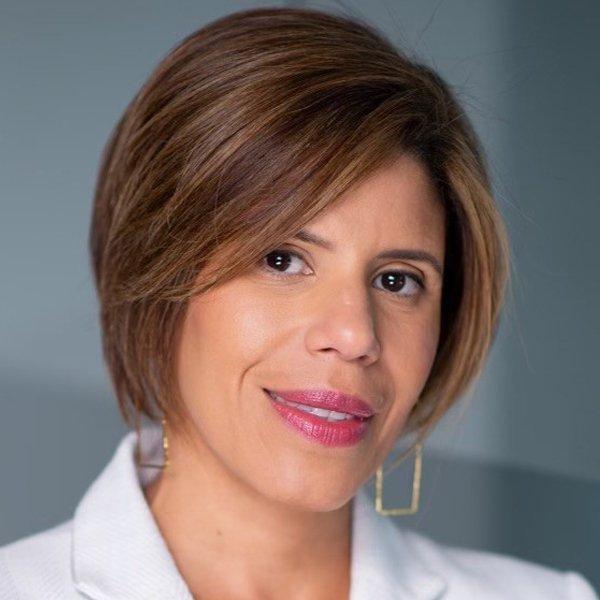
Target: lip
x: 328, y: 433
x: 328, y: 400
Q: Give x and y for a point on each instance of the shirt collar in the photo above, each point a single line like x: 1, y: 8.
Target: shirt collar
x: 119, y: 552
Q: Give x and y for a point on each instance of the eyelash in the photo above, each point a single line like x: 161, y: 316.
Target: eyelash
x: 416, y: 278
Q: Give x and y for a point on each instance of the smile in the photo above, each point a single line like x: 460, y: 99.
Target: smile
x: 327, y: 415
x: 327, y: 427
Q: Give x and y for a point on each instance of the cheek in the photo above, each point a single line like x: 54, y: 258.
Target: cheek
x: 424, y: 351
x: 419, y: 331
x: 411, y: 350
x: 225, y: 333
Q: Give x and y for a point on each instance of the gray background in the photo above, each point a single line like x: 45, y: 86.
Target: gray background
x: 515, y: 467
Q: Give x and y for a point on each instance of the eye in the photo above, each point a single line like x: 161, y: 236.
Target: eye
x: 402, y: 281
x: 277, y: 262
x: 279, y: 259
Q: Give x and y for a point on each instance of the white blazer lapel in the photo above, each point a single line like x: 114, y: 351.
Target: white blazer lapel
x: 117, y: 549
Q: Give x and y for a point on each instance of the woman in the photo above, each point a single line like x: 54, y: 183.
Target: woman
x: 298, y: 261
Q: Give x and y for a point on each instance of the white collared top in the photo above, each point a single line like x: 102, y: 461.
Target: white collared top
x: 112, y: 549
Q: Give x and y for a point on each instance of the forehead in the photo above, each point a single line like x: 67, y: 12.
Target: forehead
x: 399, y: 200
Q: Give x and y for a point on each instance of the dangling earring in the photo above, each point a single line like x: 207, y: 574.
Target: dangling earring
x: 165, y: 442
x: 414, y: 505
x: 165, y: 445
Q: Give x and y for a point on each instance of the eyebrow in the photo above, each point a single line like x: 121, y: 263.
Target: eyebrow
x: 395, y: 253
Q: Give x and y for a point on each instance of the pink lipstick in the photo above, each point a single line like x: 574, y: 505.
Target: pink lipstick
x: 326, y: 416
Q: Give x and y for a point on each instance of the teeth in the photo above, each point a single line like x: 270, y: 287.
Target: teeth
x: 329, y: 415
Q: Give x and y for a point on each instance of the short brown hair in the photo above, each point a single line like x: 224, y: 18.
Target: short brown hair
x: 249, y: 128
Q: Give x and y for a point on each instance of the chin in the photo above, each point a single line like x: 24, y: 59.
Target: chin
x: 314, y: 498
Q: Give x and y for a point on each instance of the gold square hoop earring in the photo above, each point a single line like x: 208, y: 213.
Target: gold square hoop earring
x: 165, y: 445
x: 414, y: 505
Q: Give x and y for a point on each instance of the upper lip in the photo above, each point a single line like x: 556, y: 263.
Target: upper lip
x: 329, y: 400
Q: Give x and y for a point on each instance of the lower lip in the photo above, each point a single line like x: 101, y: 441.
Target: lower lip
x: 328, y: 433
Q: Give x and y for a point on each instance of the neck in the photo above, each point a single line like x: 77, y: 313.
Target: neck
x: 228, y: 540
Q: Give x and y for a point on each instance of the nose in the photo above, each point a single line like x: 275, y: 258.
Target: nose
x: 344, y: 324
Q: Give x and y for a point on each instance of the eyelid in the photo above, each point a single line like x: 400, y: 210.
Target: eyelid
x: 293, y: 250
x: 290, y: 250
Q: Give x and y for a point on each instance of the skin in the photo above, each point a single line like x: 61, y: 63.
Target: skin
x: 248, y: 507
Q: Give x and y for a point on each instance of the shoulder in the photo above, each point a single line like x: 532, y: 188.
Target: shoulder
x: 471, y: 573
x: 37, y: 566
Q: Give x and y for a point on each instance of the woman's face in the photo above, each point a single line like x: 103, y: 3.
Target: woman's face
x: 312, y: 318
